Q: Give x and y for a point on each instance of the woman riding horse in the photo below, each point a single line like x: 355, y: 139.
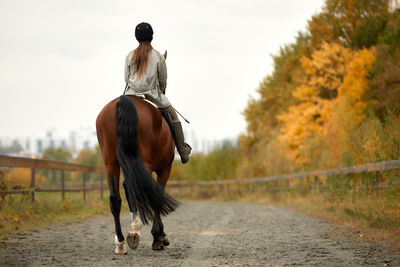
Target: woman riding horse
x: 146, y: 74
x: 134, y: 136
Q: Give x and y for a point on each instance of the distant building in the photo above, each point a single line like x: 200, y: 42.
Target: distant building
x: 77, y: 140
x: 85, y: 138
x: 39, y: 149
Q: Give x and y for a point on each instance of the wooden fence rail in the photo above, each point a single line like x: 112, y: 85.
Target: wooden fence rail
x: 34, y: 164
x: 365, y: 168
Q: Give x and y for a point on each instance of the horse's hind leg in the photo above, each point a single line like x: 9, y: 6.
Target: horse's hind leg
x: 133, y: 237
x: 115, y: 206
x: 159, y: 237
x: 157, y: 231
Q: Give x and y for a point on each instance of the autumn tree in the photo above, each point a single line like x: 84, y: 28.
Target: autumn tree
x: 384, y: 78
x: 349, y: 109
x: 274, y: 96
x: 339, y: 81
x: 354, y: 23
x: 325, y: 72
x: 21, y: 177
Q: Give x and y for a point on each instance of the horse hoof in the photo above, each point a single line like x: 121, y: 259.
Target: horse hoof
x: 157, y: 246
x: 120, y: 252
x: 133, y: 240
x: 120, y: 249
x: 165, y: 241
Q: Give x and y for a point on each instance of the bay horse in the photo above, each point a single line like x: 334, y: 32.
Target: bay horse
x: 134, y: 136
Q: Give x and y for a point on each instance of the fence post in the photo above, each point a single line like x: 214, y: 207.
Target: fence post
x: 62, y: 186
x: 316, y: 183
x: 227, y: 188
x: 362, y: 181
x: 101, y: 185
x: 2, y: 186
x: 84, y: 185
x: 220, y: 188
x: 32, y: 185
x: 238, y: 191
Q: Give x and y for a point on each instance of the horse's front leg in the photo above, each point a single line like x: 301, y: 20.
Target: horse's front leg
x: 115, y: 207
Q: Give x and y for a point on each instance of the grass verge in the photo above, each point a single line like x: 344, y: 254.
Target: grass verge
x: 19, y: 214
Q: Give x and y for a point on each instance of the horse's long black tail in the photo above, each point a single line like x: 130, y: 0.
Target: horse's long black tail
x: 145, y: 195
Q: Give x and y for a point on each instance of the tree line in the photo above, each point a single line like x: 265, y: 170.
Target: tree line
x: 332, y: 100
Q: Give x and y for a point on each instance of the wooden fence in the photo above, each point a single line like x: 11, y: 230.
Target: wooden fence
x: 376, y: 168
x: 34, y: 164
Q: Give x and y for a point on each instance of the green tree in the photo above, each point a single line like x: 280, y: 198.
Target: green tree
x: 219, y: 164
x: 89, y: 157
x: 57, y: 154
x: 384, y: 79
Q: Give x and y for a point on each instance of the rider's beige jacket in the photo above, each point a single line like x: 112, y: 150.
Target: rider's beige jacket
x: 152, y: 83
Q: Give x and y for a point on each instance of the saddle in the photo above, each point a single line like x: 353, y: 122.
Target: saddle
x: 165, y: 114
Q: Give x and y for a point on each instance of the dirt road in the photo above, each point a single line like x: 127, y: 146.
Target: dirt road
x: 202, y: 234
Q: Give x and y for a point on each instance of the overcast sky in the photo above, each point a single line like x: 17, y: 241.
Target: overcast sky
x: 62, y: 61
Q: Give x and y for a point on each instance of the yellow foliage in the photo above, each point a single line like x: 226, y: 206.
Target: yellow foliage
x: 332, y: 98
x: 22, y: 177
x: 355, y: 83
x: 350, y: 104
x: 332, y: 101
x: 325, y: 73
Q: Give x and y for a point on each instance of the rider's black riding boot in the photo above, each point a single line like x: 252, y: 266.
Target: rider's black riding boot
x: 183, y: 148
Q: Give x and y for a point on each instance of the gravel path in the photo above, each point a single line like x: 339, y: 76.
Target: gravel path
x: 202, y: 234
